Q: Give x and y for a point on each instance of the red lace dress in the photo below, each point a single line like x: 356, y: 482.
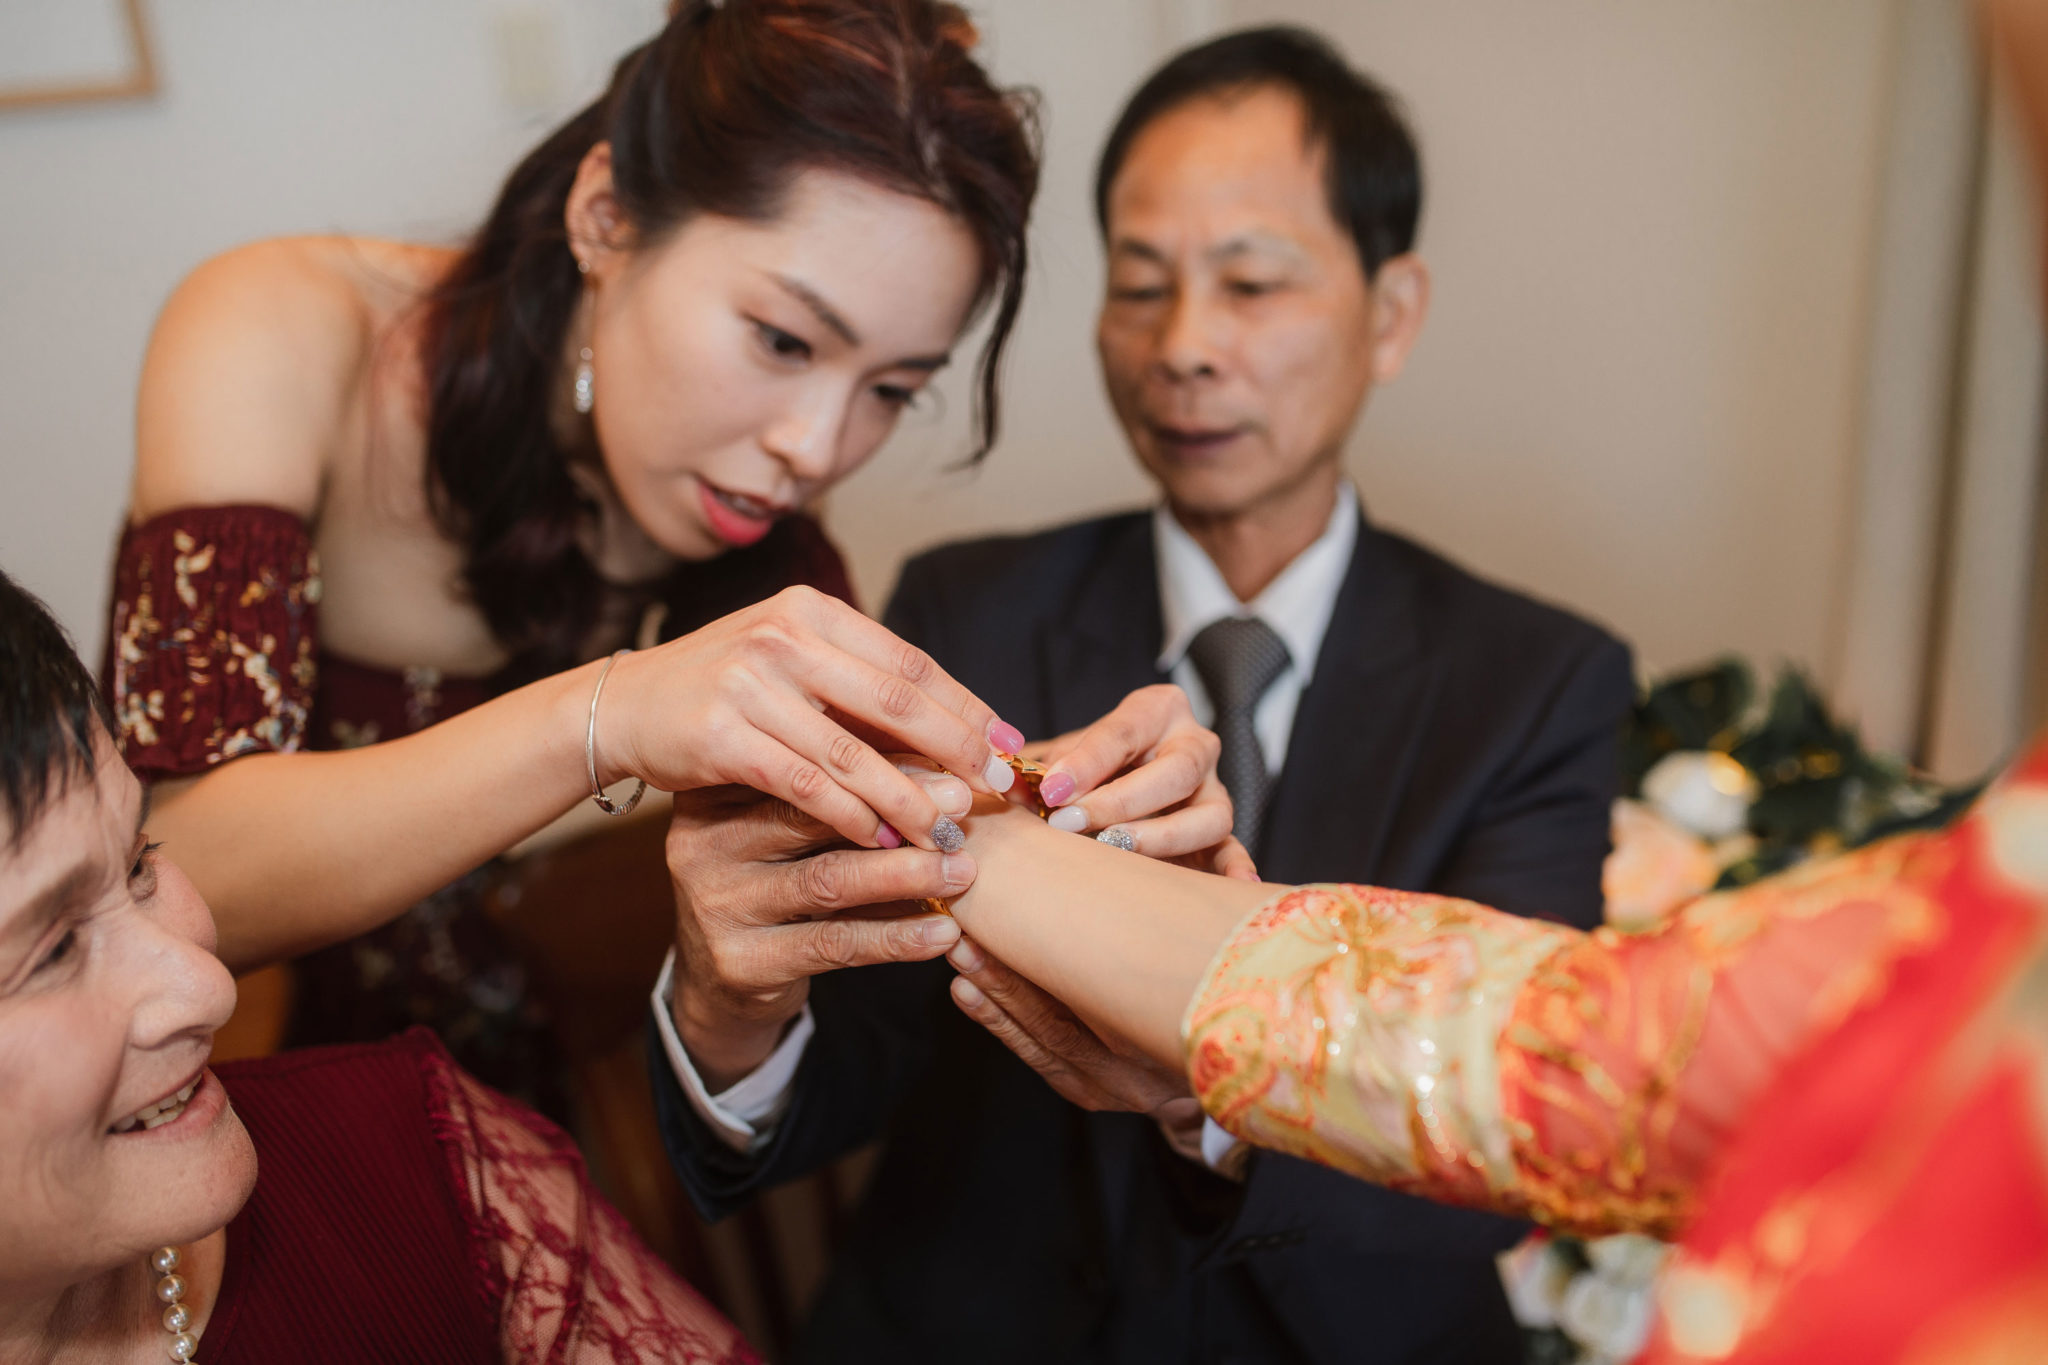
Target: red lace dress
x: 213, y: 653
x: 1831, y: 1087
x: 403, y: 1212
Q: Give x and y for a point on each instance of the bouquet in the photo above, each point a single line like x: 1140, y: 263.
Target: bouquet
x: 1722, y: 787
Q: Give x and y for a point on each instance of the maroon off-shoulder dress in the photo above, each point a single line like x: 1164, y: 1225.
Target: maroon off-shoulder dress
x: 404, y: 1212
x: 213, y: 652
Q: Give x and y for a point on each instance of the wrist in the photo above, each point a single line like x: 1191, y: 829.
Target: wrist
x: 605, y: 736
x: 569, y: 732
x: 998, y: 834
x: 725, y: 1044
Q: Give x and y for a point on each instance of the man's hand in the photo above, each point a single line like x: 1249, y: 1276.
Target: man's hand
x: 1147, y: 769
x: 768, y: 897
x: 1073, y: 1058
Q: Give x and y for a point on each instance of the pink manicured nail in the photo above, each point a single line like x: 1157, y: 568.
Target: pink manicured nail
x: 1057, y: 790
x: 887, y: 836
x: 1008, y: 739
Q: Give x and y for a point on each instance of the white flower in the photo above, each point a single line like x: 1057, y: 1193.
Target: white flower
x: 1608, y: 1317
x: 1628, y: 1258
x: 1654, y: 868
x: 1535, y: 1276
x: 1706, y: 792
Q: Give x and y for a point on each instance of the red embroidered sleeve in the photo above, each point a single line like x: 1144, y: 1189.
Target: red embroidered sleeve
x: 1585, y: 1080
x: 574, y: 1283
x: 210, y: 647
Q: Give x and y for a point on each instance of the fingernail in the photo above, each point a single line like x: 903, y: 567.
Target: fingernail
x: 1057, y: 790
x: 947, y: 835
x: 1116, y: 836
x: 967, y: 993
x: 1072, y: 819
x: 1007, y: 738
x: 887, y: 836
x: 998, y: 774
x: 958, y: 871
x: 949, y: 794
x: 965, y: 956
x: 940, y: 933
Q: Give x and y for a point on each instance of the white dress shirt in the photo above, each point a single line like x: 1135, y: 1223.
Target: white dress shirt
x: 744, y: 1113
x: 1192, y: 594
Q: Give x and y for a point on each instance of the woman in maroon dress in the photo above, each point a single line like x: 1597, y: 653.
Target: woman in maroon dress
x: 368, y: 1203
x: 403, y: 505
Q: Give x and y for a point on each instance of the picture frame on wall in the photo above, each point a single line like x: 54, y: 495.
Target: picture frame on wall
x: 58, y: 52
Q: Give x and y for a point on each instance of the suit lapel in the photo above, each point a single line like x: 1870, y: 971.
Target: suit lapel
x: 1104, y: 643
x: 1101, y: 645
x: 1358, y: 729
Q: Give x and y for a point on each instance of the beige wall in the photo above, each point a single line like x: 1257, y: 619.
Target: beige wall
x: 1652, y: 228
x: 1651, y: 225
x: 275, y: 116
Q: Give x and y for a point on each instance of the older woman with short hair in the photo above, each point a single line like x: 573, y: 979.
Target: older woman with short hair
x: 403, y: 1211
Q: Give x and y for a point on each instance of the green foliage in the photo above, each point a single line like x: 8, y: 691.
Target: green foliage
x: 1820, y: 790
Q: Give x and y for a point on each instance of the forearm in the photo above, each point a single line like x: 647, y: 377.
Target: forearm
x: 1123, y: 940
x: 297, y: 851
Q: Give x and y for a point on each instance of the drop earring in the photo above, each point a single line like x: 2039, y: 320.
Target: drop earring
x: 586, y: 391
x: 586, y: 384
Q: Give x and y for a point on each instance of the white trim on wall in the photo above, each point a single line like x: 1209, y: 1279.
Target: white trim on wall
x: 1977, y: 693
x: 1927, y: 219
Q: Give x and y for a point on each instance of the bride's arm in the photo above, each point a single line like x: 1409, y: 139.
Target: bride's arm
x: 1442, y: 1048
x: 1123, y: 940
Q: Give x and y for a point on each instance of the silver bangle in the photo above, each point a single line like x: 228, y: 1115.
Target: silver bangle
x: 605, y: 803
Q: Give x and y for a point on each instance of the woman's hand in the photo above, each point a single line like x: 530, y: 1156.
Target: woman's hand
x: 767, y: 897
x: 785, y: 697
x: 1147, y: 769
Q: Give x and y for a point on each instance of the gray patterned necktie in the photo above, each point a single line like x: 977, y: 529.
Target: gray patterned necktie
x: 1238, y: 658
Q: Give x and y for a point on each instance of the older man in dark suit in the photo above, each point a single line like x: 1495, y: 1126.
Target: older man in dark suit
x: 1384, y: 717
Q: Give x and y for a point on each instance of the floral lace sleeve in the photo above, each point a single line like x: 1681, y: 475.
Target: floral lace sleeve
x: 210, y: 649
x: 575, y: 1286
x: 1585, y: 1080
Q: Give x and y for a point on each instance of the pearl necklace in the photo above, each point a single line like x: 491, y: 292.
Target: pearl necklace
x: 171, y: 1290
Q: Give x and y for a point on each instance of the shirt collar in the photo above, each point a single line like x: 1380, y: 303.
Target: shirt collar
x: 1297, y: 605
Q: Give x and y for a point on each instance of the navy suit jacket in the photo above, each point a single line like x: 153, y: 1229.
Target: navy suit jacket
x: 1456, y: 737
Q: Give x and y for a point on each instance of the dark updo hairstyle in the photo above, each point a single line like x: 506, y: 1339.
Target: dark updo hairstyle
x: 716, y: 114
x: 1374, y: 172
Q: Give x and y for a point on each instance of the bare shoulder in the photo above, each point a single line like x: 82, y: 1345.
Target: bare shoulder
x: 254, y: 377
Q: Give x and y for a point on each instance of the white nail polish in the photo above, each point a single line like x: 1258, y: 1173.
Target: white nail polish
x: 998, y: 774
x: 1072, y: 819
x: 957, y: 872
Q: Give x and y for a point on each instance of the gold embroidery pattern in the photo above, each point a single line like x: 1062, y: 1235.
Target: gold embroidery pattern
x: 1477, y: 1058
